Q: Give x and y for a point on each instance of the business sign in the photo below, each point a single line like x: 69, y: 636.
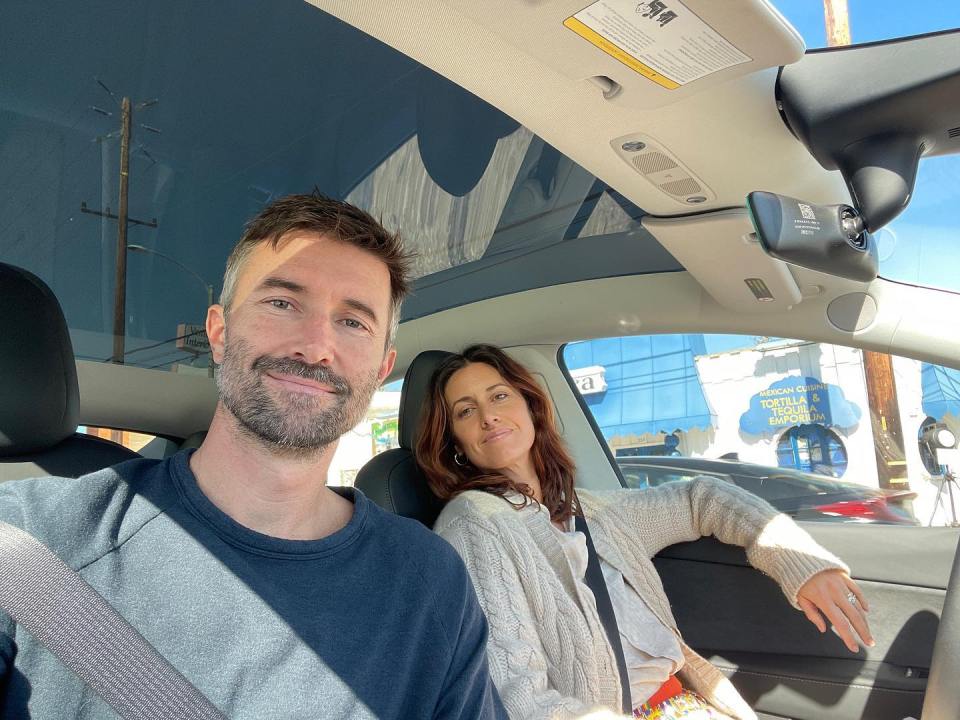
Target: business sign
x: 589, y: 380
x: 798, y: 400
x: 385, y: 435
x: 192, y: 338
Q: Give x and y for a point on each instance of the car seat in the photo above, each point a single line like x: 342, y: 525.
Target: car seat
x: 392, y: 479
x: 39, y: 393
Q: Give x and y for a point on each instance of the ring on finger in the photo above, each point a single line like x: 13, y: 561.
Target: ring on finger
x: 851, y: 598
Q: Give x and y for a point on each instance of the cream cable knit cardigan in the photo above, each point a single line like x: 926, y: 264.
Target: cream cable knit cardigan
x: 548, y: 652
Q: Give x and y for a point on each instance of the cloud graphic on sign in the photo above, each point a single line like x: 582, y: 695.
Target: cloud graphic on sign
x: 798, y: 400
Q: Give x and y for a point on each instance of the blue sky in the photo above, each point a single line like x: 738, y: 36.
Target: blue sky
x: 872, y: 20
x: 922, y: 245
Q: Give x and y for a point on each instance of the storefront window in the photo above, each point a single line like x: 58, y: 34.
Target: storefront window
x: 812, y: 448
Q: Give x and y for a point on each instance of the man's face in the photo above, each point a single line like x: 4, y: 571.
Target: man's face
x: 301, y: 349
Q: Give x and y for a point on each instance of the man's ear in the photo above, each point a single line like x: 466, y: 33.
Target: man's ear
x: 386, y: 366
x: 216, y: 331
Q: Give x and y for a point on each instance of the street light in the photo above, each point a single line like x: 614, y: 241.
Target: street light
x: 206, y: 286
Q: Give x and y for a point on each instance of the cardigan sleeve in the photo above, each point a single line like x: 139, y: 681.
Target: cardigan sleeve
x: 518, y: 661
x: 684, y: 511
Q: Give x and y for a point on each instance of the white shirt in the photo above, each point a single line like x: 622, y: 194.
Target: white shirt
x: 651, y: 649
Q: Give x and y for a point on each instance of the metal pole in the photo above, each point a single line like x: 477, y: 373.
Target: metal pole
x: 120, y: 284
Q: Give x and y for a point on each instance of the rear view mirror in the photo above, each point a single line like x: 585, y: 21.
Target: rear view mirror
x: 828, y: 238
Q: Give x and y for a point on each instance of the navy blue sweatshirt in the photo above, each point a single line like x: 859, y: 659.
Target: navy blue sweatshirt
x: 378, y: 620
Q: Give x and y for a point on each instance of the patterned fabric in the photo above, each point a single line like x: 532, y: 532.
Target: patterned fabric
x: 687, y: 705
x: 549, y: 654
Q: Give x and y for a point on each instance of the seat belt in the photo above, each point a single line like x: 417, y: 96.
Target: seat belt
x: 74, y: 622
x: 594, y: 580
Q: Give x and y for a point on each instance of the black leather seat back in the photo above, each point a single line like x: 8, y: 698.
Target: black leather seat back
x: 392, y: 479
x: 39, y: 394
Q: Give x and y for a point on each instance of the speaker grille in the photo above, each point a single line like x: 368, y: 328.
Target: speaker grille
x: 662, y: 169
x: 682, y: 188
x: 954, y: 132
x: 652, y: 162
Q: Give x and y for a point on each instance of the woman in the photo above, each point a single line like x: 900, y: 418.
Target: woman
x: 489, y: 444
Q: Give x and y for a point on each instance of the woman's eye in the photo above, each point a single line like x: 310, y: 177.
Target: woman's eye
x: 464, y: 412
x: 501, y: 396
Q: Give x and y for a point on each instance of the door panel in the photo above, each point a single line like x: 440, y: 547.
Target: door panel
x: 739, y: 619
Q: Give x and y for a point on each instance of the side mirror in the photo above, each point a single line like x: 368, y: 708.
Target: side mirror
x: 828, y: 238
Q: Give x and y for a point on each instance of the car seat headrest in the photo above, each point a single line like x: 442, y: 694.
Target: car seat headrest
x: 40, y: 397
x: 413, y: 397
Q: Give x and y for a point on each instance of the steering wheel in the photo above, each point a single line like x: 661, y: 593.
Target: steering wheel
x: 942, y: 699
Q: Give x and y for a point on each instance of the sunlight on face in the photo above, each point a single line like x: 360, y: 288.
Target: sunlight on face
x: 301, y: 349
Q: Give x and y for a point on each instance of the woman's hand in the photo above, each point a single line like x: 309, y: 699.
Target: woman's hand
x: 833, y: 594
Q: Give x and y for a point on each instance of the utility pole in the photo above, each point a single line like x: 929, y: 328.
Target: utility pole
x: 877, y: 367
x: 120, y: 283
x: 122, y: 216
x: 837, y: 22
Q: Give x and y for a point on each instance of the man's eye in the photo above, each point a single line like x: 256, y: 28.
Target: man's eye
x: 280, y: 304
x: 355, y: 324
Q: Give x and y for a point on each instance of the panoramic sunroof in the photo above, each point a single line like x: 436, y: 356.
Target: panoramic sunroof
x: 231, y: 110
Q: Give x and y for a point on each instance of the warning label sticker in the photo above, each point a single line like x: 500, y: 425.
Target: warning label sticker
x: 661, y: 39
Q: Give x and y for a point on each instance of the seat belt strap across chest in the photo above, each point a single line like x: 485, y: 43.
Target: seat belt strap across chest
x: 595, y: 581
x: 74, y: 622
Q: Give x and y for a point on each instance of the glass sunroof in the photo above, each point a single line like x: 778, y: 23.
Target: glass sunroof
x: 231, y: 109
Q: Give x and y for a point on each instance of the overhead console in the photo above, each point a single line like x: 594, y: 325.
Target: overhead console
x: 644, y: 54
x: 723, y: 254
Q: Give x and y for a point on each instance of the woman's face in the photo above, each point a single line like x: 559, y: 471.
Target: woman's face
x: 489, y: 419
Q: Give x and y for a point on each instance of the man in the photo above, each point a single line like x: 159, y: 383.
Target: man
x: 275, y: 595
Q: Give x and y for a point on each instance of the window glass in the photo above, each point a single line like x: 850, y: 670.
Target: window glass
x: 231, y: 107
x: 823, y: 432
x: 135, y: 441
x: 376, y: 433
x: 920, y: 245
x: 813, y: 448
x: 871, y: 20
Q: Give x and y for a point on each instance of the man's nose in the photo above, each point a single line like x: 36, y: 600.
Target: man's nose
x: 315, y: 346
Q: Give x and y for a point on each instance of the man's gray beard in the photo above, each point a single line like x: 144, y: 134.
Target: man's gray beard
x: 302, y: 424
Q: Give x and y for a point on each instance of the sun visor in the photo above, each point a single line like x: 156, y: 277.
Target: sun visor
x: 644, y: 54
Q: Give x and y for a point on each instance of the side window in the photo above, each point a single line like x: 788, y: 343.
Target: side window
x: 822, y: 432
x: 131, y: 440
x: 374, y: 434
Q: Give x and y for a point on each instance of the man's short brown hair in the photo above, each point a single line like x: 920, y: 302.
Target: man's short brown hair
x: 334, y: 219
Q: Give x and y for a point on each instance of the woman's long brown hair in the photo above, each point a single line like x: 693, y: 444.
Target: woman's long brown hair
x: 435, y: 446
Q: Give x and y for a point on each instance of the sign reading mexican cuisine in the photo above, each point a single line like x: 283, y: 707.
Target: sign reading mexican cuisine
x: 798, y: 400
